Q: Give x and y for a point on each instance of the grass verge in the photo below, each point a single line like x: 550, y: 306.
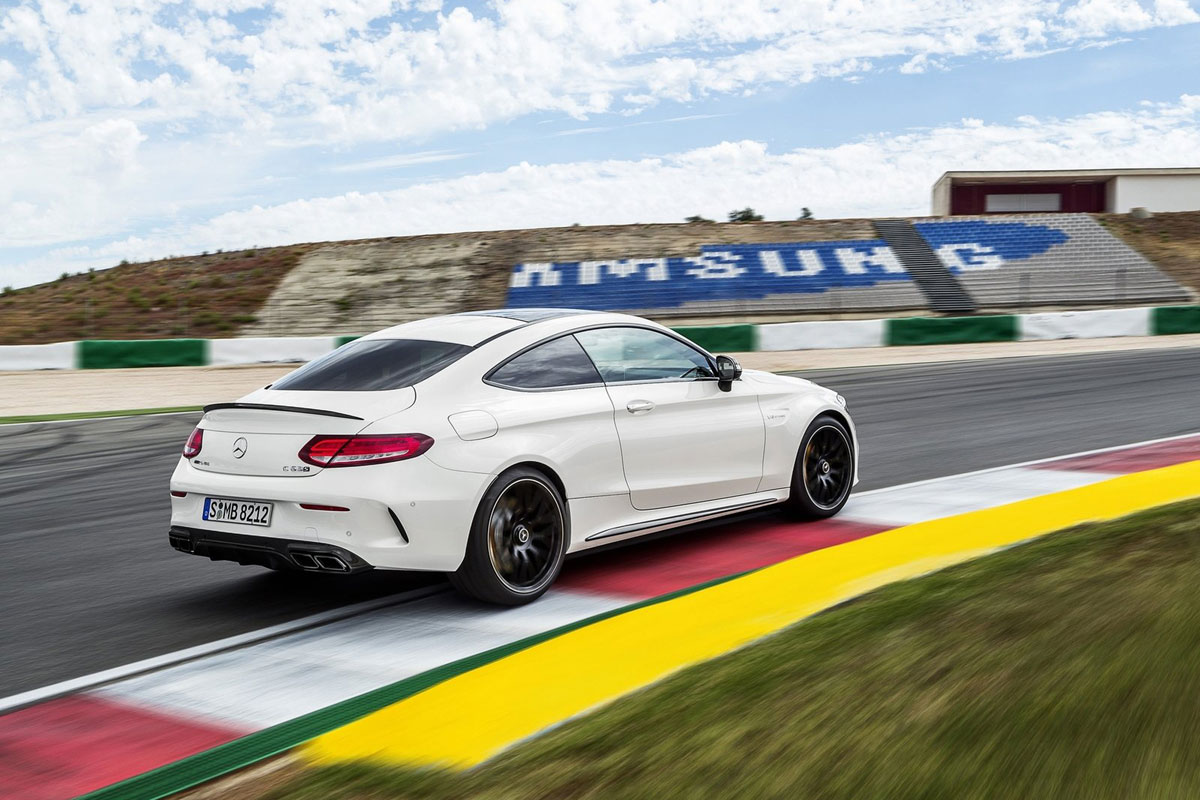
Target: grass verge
x: 1066, y: 667
x: 132, y: 412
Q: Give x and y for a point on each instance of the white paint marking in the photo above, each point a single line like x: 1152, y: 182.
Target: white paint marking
x: 822, y: 334
x: 269, y: 350
x: 95, y: 679
x: 1064, y: 457
x: 947, y: 497
x: 271, y: 682
x: 100, y: 419
x: 19, y: 357
x: 1102, y: 323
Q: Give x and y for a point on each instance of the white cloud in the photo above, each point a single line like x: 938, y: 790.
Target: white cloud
x: 66, y: 182
x: 118, y: 116
x: 886, y: 174
x: 399, y: 160
x: 360, y: 69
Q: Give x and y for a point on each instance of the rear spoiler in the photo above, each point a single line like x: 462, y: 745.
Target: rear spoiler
x: 293, y: 409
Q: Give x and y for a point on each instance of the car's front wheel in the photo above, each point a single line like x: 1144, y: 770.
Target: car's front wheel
x: 824, y: 470
x: 518, y: 540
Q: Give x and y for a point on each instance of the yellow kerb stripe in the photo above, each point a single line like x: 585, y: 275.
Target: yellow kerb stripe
x: 468, y: 719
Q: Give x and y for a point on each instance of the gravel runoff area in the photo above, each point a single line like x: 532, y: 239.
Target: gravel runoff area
x: 83, y: 391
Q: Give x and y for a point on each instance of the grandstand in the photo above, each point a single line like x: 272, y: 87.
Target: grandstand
x: 967, y: 263
x: 1049, y: 260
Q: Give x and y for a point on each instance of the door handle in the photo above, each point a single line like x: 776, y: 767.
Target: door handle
x: 638, y: 406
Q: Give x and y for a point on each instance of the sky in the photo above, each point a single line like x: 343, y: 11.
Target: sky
x: 138, y: 129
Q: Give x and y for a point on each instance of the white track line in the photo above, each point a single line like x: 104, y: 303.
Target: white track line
x: 84, y: 682
x: 1063, y: 457
x: 101, y: 419
x: 241, y: 640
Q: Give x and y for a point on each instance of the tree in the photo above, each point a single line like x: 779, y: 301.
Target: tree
x: 805, y: 214
x: 745, y: 215
x: 696, y: 218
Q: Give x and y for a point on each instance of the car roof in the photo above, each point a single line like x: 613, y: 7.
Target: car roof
x: 528, y: 314
x: 473, y: 327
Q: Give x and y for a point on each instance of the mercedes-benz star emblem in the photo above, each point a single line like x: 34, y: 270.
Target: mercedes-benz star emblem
x: 239, y: 447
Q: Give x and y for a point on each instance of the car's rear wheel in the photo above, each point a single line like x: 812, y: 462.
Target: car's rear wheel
x: 824, y: 470
x: 517, y: 542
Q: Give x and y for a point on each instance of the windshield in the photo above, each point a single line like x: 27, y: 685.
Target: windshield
x: 373, y: 365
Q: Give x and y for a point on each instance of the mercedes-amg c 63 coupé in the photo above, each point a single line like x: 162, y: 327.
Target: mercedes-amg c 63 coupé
x: 489, y: 445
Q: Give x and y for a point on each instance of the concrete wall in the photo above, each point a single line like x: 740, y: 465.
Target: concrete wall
x: 1155, y: 192
x: 940, y: 206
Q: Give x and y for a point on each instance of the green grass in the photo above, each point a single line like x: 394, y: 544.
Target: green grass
x: 1067, y: 667
x: 95, y: 414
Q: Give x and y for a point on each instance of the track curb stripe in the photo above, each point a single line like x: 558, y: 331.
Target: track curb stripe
x: 463, y: 721
x: 240, y: 753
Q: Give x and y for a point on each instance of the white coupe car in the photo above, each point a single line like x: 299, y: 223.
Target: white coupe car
x: 489, y: 445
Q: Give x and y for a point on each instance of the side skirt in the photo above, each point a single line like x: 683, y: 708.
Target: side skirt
x: 677, y: 519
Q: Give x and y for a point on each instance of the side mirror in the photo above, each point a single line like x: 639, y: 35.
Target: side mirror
x: 728, y: 371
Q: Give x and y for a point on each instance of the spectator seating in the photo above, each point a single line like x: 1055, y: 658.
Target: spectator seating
x: 1045, y: 260
x: 1014, y: 261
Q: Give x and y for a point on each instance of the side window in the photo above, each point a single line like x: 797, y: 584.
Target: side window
x: 557, y: 363
x: 639, y: 354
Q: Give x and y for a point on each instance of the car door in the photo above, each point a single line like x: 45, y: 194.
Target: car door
x: 683, y: 439
x: 555, y: 405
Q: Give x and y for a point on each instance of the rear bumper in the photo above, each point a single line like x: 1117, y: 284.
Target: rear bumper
x: 266, y: 551
x: 409, y: 515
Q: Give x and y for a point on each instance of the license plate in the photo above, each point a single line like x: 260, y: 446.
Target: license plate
x: 243, y: 512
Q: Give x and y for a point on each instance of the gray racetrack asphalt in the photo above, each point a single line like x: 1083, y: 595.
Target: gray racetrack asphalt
x: 88, y: 581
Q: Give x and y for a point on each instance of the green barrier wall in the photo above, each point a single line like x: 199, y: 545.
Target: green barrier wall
x: 114, y: 353
x: 951, y: 330
x: 723, y: 338
x: 1167, y: 320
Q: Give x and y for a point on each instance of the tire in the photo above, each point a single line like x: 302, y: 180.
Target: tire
x: 518, y: 540
x: 824, y: 471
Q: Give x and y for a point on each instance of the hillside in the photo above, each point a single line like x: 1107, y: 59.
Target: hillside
x: 1170, y: 241
x: 195, y: 296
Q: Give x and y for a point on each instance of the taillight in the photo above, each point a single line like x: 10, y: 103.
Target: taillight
x: 194, y: 443
x: 351, y: 451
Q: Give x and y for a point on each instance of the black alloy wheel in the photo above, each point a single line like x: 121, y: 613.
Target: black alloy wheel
x: 824, y: 470
x: 525, y: 532
x: 518, y: 540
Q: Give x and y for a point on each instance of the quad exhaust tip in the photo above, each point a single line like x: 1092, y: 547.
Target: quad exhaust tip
x: 321, y: 562
x: 182, y: 543
x: 305, y: 560
x: 331, y: 564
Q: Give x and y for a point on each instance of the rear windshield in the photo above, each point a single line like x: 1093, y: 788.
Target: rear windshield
x: 373, y: 365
